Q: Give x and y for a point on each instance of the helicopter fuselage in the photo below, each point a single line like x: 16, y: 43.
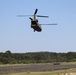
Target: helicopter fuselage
x: 34, y: 22
x: 36, y: 26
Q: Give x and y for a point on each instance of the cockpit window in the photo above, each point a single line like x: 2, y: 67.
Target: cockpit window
x: 33, y: 22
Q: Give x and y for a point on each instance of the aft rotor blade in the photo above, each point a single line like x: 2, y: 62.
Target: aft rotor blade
x: 36, y: 11
x: 49, y: 24
x: 23, y: 15
x: 42, y: 16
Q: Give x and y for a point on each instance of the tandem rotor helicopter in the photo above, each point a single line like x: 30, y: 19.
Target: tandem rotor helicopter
x: 34, y: 22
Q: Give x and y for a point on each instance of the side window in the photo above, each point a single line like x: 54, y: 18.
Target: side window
x: 33, y: 22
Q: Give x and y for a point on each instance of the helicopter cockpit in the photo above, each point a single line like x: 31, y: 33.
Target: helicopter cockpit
x: 33, y: 22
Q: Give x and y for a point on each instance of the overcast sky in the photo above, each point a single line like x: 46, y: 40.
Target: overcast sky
x: 17, y: 36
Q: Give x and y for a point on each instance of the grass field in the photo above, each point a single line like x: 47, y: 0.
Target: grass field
x: 60, y: 72
x: 39, y: 69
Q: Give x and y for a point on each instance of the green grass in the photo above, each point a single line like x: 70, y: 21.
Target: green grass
x: 60, y: 72
x: 34, y: 73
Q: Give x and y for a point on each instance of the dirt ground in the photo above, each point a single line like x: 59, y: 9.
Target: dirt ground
x: 70, y: 74
x: 34, y: 68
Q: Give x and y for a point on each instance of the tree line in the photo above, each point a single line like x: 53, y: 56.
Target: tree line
x: 36, y: 57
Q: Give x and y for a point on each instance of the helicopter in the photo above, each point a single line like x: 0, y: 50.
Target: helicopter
x: 34, y: 22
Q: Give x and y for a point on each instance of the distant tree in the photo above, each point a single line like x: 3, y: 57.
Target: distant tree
x: 36, y: 57
x: 4, y: 60
x: 8, y: 51
x: 71, y: 56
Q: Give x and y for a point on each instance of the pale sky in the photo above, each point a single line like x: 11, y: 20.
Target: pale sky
x: 17, y: 36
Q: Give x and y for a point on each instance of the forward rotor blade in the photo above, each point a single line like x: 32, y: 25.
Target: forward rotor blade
x: 49, y: 24
x: 23, y: 15
x: 36, y: 11
x: 42, y: 16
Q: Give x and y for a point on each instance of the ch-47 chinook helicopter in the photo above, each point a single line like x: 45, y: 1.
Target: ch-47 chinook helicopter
x: 34, y: 22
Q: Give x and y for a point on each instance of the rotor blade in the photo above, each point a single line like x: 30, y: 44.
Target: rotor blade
x: 36, y: 11
x: 23, y: 15
x: 49, y: 24
x: 42, y: 16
